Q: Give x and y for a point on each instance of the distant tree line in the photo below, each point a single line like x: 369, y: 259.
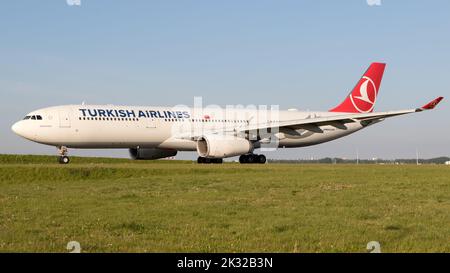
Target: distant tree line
x: 336, y: 160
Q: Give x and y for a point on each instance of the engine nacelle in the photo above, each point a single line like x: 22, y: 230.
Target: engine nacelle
x: 221, y: 146
x: 150, y: 153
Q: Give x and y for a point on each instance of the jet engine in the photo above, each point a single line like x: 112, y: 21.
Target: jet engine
x: 150, y: 153
x: 221, y: 146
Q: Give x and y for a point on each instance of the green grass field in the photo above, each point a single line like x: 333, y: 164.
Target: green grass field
x: 111, y: 205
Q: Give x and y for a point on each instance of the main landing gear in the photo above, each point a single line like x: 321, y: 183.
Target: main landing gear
x: 252, y: 159
x: 205, y: 160
x: 63, y: 158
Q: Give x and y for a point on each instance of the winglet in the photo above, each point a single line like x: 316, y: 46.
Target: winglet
x: 431, y: 104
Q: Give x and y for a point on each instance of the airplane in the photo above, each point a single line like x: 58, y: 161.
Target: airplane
x: 159, y: 132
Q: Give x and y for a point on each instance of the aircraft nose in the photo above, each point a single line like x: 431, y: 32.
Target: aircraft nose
x: 16, y: 128
x: 21, y: 128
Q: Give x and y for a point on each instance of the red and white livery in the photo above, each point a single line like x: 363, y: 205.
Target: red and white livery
x: 158, y: 132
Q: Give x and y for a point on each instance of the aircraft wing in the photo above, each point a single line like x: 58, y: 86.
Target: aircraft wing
x: 340, y: 120
x: 313, y: 124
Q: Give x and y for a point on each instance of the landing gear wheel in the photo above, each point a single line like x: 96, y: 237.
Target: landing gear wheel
x: 261, y: 159
x: 217, y: 160
x: 243, y: 159
x: 64, y: 160
x: 247, y: 159
x: 252, y: 158
x: 205, y: 160
x: 200, y: 160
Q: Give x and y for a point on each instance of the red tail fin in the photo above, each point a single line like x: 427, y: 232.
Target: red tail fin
x: 364, y: 95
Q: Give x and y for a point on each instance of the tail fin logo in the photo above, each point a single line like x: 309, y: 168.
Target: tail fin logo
x: 365, y: 102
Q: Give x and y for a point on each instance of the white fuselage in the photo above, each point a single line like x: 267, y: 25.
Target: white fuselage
x: 108, y: 126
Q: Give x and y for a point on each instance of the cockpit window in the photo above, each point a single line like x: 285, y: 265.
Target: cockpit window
x: 35, y: 117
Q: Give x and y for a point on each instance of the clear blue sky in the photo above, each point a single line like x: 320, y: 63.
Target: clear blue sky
x: 303, y: 54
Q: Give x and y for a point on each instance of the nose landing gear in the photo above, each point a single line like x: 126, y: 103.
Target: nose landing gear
x: 63, y: 158
x: 252, y: 159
